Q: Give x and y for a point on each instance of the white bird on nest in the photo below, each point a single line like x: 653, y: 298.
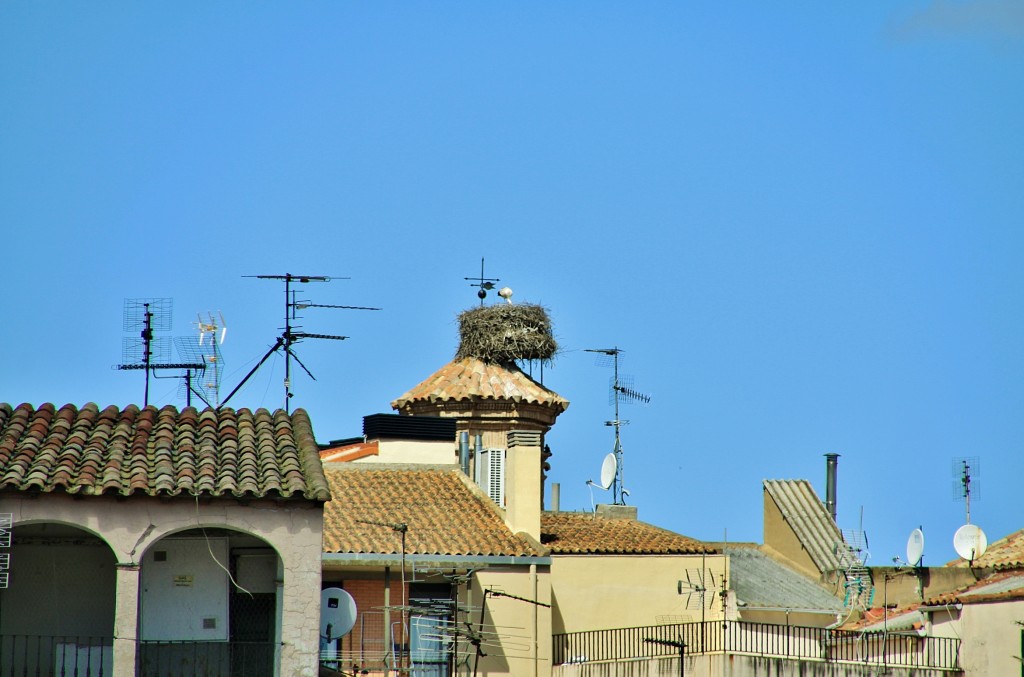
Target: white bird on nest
x: 505, y: 293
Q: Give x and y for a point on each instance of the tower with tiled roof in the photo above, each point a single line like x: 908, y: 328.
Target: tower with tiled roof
x: 497, y: 403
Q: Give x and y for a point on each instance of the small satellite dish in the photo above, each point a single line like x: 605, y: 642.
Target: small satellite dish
x: 915, y: 547
x: 608, y: 469
x: 337, y: 613
x: 970, y: 542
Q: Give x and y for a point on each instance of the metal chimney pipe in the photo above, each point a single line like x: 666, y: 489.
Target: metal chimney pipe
x: 464, y: 451
x: 831, y: 461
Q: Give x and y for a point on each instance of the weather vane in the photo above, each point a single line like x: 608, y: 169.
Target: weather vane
x: 484, y: 283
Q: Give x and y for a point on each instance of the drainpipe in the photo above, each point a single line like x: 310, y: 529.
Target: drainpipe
x: 831, y: 461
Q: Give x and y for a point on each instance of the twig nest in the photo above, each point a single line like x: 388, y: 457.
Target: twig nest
x: 506, y: 332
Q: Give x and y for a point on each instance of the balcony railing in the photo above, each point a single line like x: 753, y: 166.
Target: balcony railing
x: 206, y: 659
x: 59, y: 656
x: 758, y: 639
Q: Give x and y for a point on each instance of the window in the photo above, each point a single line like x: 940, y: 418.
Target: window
x: 490, y: 474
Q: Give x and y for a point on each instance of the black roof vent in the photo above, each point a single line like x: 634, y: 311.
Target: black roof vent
x: 395, y: 426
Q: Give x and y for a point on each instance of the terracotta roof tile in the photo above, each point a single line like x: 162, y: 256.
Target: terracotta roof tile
x: 444, y: 514
x: 473, y: 379
x: 1003, y: 586
x: 159, y: 452
x: 584, y: 533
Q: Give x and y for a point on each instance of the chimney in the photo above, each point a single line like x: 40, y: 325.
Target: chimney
x: 556, y: 495
x: 831, y: 461
x: 522, y: 482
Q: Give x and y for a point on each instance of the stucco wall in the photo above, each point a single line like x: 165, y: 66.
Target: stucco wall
x: 521, y: 637
x: 991, y: 635
x: 413, y: 451
x: 130, y: 526
x: 598, y: 592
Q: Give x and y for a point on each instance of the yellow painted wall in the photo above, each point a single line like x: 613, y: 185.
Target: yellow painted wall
x: 518, y: 633
x: 597, y: 592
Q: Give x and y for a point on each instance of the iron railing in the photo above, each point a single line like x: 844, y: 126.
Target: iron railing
x: 205, y: 659
x: 758, y: 639
x: 56, y: 656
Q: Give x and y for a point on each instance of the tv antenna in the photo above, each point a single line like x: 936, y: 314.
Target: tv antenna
x: 289, y: 336
x: 147, y: 351
x: 485, y: 284
x: 621, y: 391
x: 204, y: 348
x: 966, y: 471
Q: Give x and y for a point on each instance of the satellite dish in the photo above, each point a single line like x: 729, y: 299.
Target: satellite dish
x: 969, y: 542
x: 608, y: 469
x: 337, y: 613
x: 915, y: 547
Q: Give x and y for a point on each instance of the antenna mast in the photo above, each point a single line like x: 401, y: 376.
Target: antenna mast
x: 963, y: 479
x: 289, y: 336
x: 148, y: 352
x: 619, y: 392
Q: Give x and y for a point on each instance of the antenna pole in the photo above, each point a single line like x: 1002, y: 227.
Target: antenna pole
x: 966, y: 480
x: 147, y: 339
x: 288, y: 310
x: 617, y: 495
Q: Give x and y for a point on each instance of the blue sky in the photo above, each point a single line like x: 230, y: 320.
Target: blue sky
x: 801, y: 222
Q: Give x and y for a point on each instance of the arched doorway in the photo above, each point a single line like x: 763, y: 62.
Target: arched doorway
x: 209, y: 605
x: 57, y: 613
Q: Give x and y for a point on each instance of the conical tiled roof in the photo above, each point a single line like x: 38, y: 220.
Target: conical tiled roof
x: 471, y: 379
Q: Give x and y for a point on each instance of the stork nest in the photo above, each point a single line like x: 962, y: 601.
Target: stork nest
x: 504, y: 333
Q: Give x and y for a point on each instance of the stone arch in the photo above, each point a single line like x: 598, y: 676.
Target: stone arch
x: 58, y: 611
x: 210, y: 594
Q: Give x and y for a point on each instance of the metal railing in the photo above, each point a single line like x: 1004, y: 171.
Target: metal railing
x: 205, y: 659
x: 56, y: 656
x: 758, y: 639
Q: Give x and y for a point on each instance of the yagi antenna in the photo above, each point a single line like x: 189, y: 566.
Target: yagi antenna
x: 621, y: 391
x: 289, y: 335
x: 147, y: 351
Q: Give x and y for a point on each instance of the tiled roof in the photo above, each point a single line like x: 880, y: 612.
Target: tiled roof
x: 350, y: 452
x: 760, y: 581
x: 444, y: 514
x: 584, y: 533
x: 897, y: 619
x: 809, y: 520
x: 473, y: 379
x: 1006, y: 553
x: 159, y: 452
x: 1004, y: 586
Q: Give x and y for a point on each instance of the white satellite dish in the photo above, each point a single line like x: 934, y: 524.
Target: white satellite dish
x: 608, y: 469
x: 915, y: 547
x: 337, y: 613
x: 970, y: 542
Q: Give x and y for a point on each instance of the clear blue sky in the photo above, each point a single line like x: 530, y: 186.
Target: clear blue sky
x: 801, y: 221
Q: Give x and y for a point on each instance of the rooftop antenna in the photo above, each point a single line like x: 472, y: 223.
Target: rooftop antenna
x: 289, y: 336
x: 205, y: 349
x: 621, y: 391
x: 486, y: 283
x: 969, y: 541
x: 966, y: 471
x: 148, y: 351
